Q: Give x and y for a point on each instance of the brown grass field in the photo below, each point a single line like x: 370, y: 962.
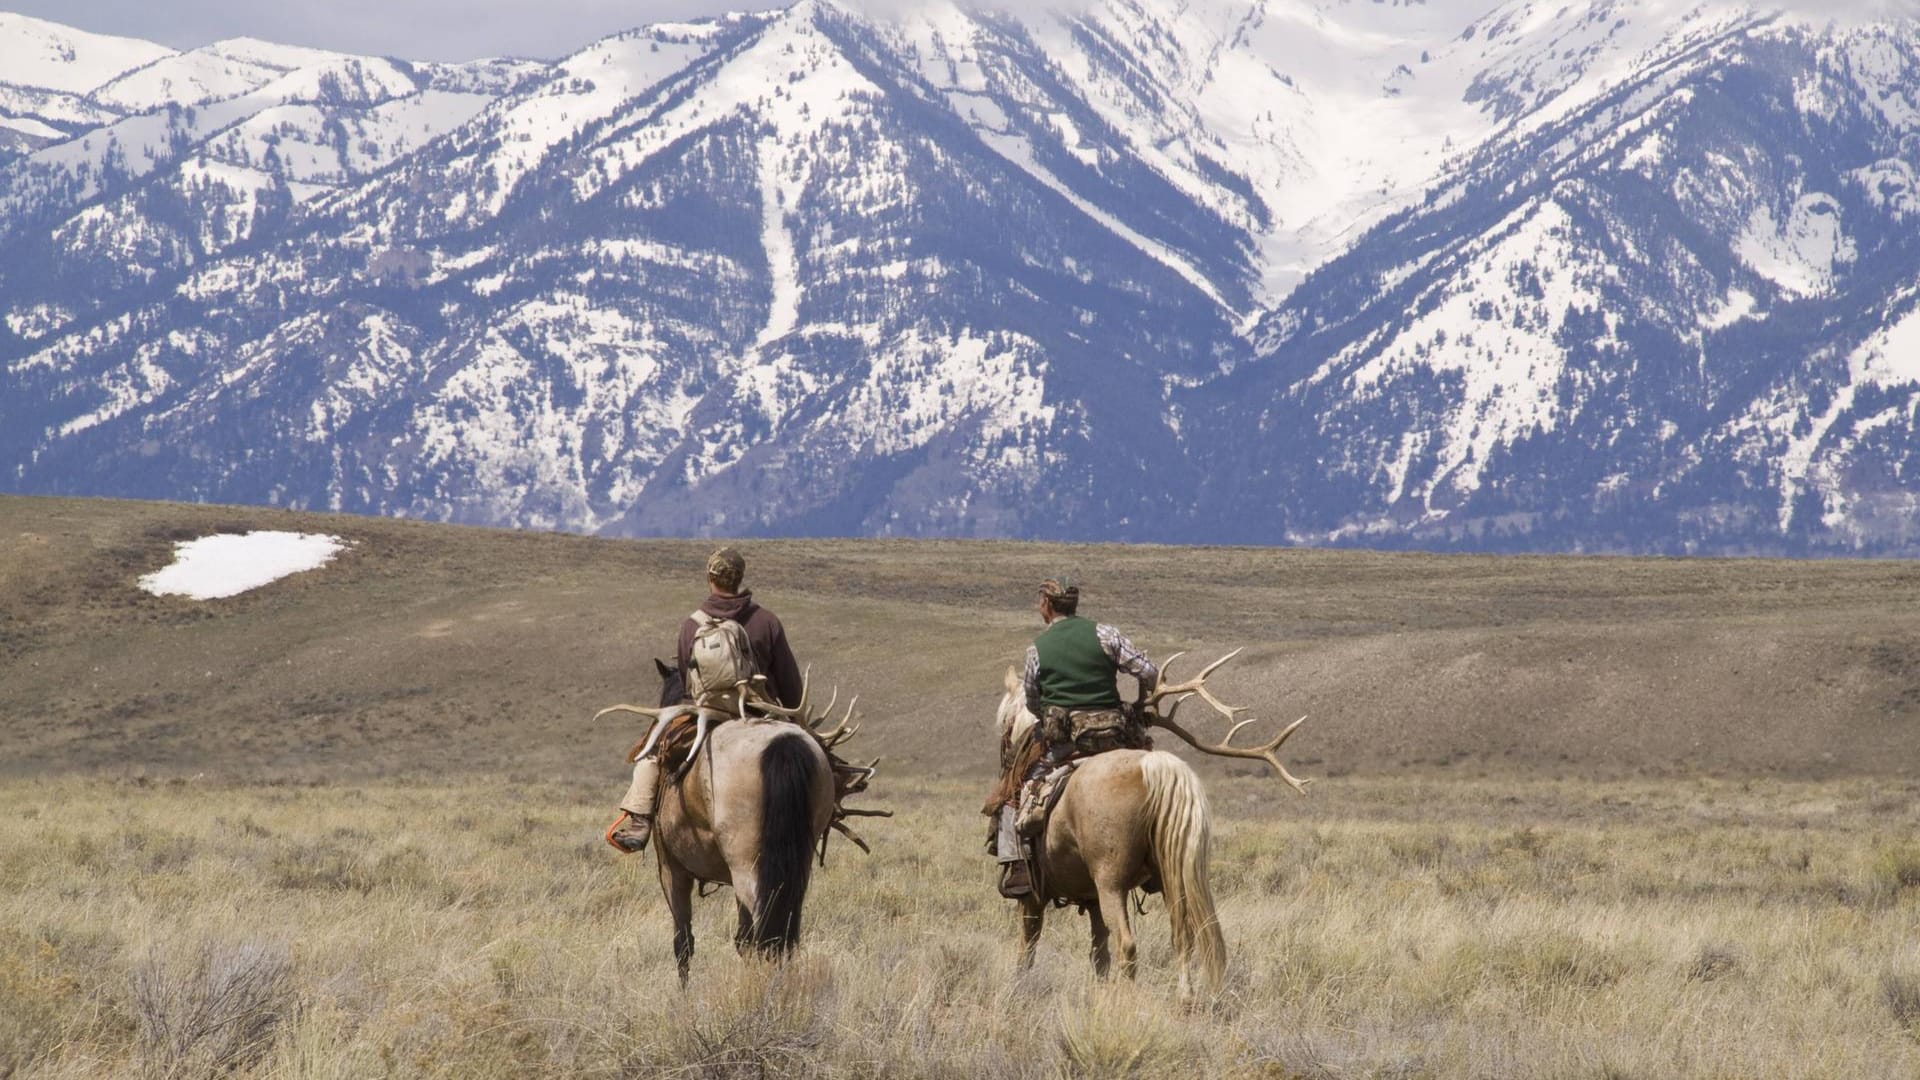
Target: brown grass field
x: 1574, y: 817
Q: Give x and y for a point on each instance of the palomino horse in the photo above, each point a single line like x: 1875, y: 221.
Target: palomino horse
x: 1127, y: 818
x: 755, y: 798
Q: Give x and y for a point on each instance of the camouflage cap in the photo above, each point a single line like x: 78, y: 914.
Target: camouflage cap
x: 1062, y: 586
x: 727, y: 568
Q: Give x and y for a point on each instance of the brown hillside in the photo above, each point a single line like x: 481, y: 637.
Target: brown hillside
x: 439, y: 649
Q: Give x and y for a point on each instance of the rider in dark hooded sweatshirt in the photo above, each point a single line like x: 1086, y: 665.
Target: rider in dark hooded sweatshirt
x: 772, y: 658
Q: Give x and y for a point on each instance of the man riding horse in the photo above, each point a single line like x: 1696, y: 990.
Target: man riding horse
x: 1071, y: 684
x: 771, y: 658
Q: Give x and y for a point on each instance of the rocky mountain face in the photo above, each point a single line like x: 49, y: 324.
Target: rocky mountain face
x: 1602, y: 275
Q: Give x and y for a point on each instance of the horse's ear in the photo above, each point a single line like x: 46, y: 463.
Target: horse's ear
x: 661, y: 665
x: 1013, y: 680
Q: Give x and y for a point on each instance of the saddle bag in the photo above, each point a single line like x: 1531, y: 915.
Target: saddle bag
x: 1096, y: 731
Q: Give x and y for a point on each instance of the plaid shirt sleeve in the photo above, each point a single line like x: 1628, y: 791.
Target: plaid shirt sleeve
x: 1127, y: 658
x: 1030, y: 680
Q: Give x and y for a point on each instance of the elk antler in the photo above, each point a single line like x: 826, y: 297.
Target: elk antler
x: 1268, y: 753
x: 661, y: 717
x: 641, y: 710
x: 841, y: 731
x: 701, y: 722
x: 764, y: 702
x: 1197, y: 687
x: 804, y: 713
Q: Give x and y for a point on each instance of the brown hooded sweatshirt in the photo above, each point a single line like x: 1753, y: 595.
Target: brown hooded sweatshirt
x: 772, y: 656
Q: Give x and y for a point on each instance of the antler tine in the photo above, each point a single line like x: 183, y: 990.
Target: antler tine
x: 834, y: 736
x: 841, y: 828
x: 1215, y: 666
x: 1224, y: 709
x: 1167, y: 665
x: 816, y: 721
x: 1273, y: 751
x: 858, y: 777
x: 1235, y: 730
x: 635, y: 709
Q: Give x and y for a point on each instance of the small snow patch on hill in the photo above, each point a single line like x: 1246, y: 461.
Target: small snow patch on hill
x: 232, y: 563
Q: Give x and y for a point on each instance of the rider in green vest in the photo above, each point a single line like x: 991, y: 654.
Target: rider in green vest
x: 1072, y: 668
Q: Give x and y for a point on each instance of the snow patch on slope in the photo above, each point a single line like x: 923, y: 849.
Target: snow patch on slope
x: 1889, y: 358
x: 1805, y: 254
x: 228, y: 564
x: 783, y: 313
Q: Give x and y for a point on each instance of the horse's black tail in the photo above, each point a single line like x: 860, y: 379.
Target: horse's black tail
x: 787, y: 769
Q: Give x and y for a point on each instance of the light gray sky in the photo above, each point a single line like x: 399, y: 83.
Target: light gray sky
x: 411, y: 29
x: 469, y: 29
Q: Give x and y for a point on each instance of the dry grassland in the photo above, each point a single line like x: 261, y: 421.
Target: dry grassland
x: 424, y: 637
x: 1396, y: 928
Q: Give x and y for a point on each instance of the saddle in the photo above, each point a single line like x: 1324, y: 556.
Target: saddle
x: 1081, y: 734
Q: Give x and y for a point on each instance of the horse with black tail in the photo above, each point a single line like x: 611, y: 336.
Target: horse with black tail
x: 747, y: 808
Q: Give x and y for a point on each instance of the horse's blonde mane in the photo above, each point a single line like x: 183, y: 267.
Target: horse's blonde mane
x: 1012, y: 714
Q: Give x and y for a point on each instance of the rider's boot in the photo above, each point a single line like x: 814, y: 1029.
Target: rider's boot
x: 634, y: 827
x: 630, y: 832
x: 1015, y: 881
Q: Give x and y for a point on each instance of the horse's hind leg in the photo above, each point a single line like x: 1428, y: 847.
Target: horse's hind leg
x: 745, y: 894
x: 677, y: 885
x: 1113, y: 903
x: 1033, y: 918
x: 1102, y: 958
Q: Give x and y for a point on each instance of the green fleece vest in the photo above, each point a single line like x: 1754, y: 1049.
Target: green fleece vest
x: 1075, y: 672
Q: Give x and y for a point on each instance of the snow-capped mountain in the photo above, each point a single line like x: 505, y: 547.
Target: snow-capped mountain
x: 1608, y: 274
x: 1677, y: 314
x: 48, y: 71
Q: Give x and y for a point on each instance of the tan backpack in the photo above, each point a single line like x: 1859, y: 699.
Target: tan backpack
x: 720, y: 658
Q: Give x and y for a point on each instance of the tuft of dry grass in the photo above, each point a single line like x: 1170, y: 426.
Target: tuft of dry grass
x: 212, y: 1012
x: 1409, y: 928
